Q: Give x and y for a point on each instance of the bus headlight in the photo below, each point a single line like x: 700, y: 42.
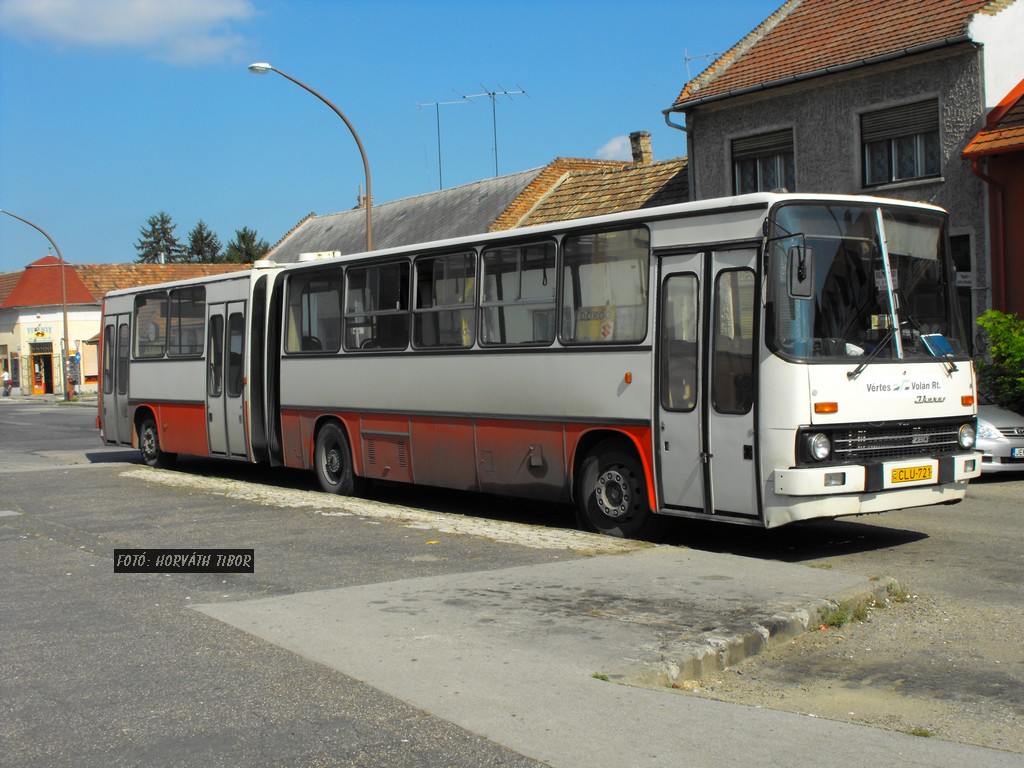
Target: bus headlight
x: 967, y: 436
x: 819, y: 446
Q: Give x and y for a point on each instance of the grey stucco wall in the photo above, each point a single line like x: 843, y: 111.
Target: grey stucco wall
x: 824, y: 115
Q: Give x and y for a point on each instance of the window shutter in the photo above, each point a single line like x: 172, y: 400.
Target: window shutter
x: 763, y: 145
x: 907, y: 120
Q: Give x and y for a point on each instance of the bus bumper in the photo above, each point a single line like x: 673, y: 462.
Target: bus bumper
x: 881, y: 476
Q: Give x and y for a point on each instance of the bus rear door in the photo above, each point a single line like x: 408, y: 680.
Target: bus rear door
x: 706, y: 358
x: 117, y: 425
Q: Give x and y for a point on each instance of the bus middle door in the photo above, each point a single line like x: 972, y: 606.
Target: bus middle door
x: 707, y: 377
x: 225, y: 382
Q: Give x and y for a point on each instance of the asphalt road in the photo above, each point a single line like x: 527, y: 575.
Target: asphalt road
x: 394, y: 632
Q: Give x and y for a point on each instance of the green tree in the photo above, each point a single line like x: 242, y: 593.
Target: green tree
x: 1001, y: 371
x: 157, y: 242
x: 246, y: 247
x: 203, y: 244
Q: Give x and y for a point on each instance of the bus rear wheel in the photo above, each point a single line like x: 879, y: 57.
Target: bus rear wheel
x: 149, y: 446
x: 332, y: 461
x: 612, y: 495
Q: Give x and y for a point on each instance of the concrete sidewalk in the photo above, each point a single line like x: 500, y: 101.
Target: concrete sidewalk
x: 89, y: 400
x: 654, y: 617
x: 529, y: 656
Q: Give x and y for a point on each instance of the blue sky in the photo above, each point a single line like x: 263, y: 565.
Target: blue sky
x: 113, y: 110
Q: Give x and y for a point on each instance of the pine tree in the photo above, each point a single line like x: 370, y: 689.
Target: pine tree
x: 203, y: 245
x: 246, y: 247
x: 157, y: 242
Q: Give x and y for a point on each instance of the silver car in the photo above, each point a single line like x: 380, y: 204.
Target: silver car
x: 1000, y: 438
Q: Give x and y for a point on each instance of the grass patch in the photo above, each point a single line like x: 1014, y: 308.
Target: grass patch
x: 601, y: 676
x: 924, y: 733
x: 840, y: 615
x: 897, y: 594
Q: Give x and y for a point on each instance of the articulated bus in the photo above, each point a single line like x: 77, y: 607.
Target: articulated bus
x: 759, y: 360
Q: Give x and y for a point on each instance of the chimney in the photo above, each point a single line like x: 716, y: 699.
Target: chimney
x: 640, y: 145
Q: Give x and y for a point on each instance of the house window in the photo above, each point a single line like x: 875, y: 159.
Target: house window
x: 764, y: 162
x: 901, y: 143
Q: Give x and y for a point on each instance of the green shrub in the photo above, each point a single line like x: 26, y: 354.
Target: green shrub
x: 1001, y: 371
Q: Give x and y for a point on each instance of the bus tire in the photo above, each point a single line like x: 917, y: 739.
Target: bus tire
x: 332, y: 461
x: 149, y: 446
x: 612, y: 497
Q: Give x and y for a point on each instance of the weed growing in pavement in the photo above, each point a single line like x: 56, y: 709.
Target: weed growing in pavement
x: 836, y: 617
x: 922, y: 732
x: 842, y: 614
x: 897, y: 594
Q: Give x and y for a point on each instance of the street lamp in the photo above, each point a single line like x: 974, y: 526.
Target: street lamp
x: 63, y: 299
x: 261, y: 68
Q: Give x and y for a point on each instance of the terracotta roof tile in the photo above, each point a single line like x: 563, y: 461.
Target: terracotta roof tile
x: 1004, y: 127
x: 103, y: 278
x: 805, y: 37
x: 39, y: 283
x: 553, y: 175
x: 598, y: 192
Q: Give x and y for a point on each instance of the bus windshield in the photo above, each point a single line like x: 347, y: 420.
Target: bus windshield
x: 860, y: 282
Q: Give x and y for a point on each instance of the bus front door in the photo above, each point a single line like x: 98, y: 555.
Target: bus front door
x: 706, y: 383
x: 225, y: 381
x: 117, y: 425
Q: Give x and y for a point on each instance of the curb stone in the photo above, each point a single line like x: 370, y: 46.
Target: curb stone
x: 693, y: 661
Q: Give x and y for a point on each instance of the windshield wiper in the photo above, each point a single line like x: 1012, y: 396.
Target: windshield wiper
x: 943, y: 357
x: 851, y: 375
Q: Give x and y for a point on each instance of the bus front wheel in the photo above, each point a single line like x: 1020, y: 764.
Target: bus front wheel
x: 149, y: 446
x: 332, y: 461
x: 612, y: 496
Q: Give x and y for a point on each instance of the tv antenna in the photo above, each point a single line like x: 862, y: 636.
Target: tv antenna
x: 437, y: 113
x: 687, y: 58
x: 493, y: 96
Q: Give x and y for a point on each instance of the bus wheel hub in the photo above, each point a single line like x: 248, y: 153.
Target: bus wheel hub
x: 333, y: 462
x: 613, y: 496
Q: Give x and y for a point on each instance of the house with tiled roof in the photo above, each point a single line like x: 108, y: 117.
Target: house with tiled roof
x: 566, y: 188
x: 996, y: 155
x: 45, y: 304
x: 860, y: 97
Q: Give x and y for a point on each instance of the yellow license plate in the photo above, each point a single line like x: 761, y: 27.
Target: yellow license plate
x: 911, y: 474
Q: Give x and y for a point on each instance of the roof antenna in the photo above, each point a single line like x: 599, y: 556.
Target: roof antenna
x: 493, y: 96
x: 437, y: 112
x: 687, y: 58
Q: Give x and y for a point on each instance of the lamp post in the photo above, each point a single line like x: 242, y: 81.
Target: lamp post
x: 261, y: 68
x: 63, y: 300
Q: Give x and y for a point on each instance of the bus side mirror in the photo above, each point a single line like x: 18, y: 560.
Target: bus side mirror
x: 801, y: 272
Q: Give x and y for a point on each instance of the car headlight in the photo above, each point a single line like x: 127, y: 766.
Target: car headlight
x: 819, y: 446
x: 967, y: 436
x: 987, y: 432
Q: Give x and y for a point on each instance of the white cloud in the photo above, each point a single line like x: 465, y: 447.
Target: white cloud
x: 176, y: 31
x: 616, y: 149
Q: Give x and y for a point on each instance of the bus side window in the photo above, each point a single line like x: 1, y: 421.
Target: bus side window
x: 445, y: 299
x: 150, y: 323
x: 314, y: 312
x: 518, y: 299
x: 604, y: 286
x: 377, y: 307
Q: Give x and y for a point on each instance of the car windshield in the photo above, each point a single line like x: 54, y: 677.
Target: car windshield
x: 860, y: 281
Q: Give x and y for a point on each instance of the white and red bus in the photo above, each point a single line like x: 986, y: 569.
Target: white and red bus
x: 758, y: 360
